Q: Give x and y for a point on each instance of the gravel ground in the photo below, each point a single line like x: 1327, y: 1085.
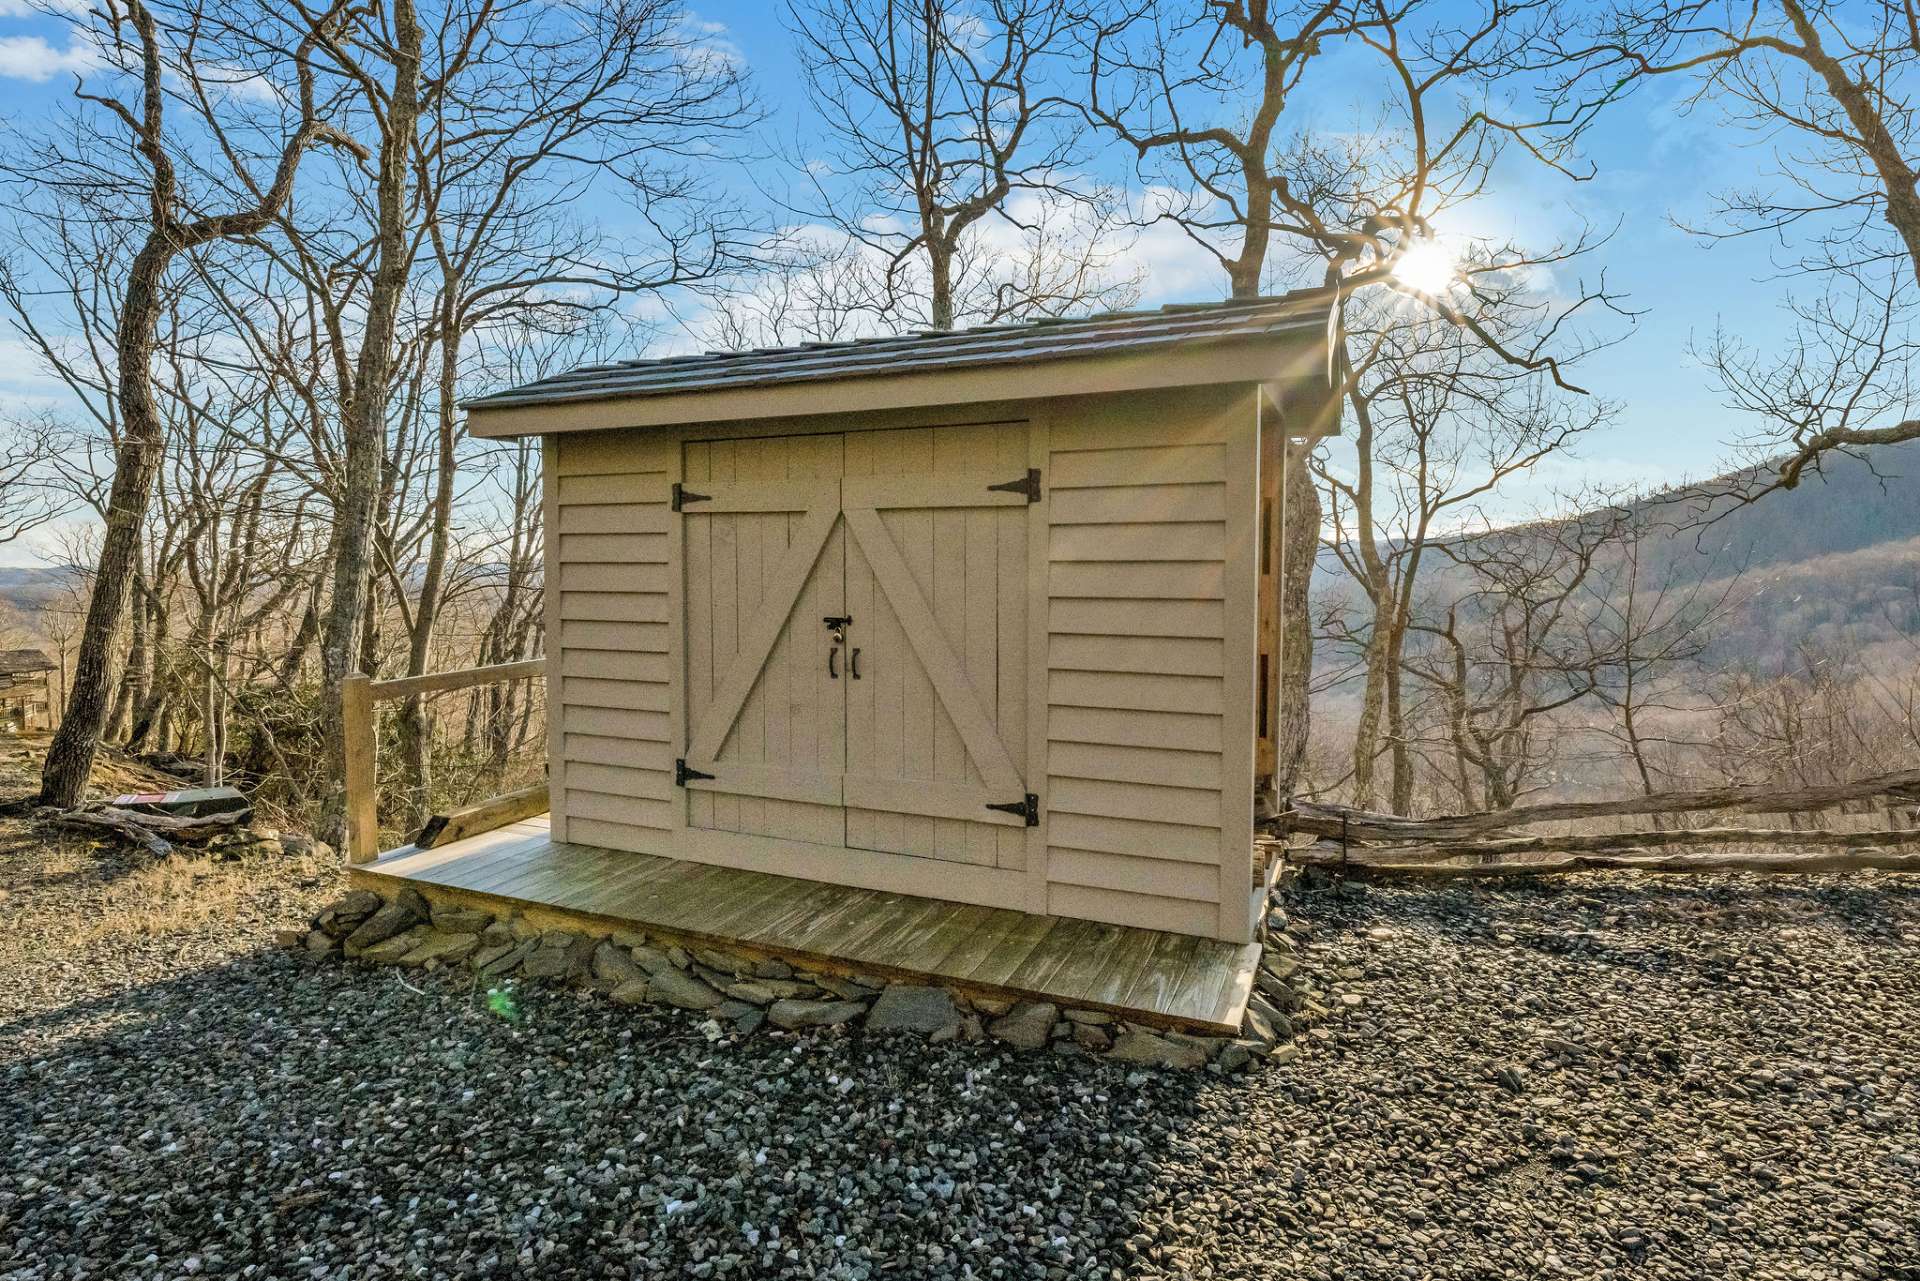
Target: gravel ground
x: 1621, y: 1076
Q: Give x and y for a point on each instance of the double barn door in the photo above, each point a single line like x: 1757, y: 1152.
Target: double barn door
x: 856, y: 640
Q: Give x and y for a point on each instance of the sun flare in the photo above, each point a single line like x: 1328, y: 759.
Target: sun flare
x: 1425, y: 268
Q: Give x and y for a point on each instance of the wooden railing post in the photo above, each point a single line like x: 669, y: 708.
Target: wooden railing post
x: 362, y: 794
x: 358, y: 694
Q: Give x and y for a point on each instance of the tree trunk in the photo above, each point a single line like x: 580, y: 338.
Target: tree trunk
x: 940, y: 272
x: 1873, y: 138
x: 1299, y: 547
x: 133, y: 679
x: 136, y: 459
x: 1402, y: 802
x: 1373, y: 697
x: 303, y: 637
x: 415, y: 732
x: 363, y: 424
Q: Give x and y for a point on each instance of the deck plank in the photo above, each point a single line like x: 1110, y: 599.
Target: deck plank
x: 994, y: 969
x: 490, y: 868
x: 968, y: 954
x: 1082, y: 963
x: 892, y: 917
x: 1063, y: 942
x: 922, y: 954
x: 1161, y: 975
x: 1236, y: 985
x: 783, y: 922
x: 604, y: 888
x: 1194, y: 986
x: 1171, y: 980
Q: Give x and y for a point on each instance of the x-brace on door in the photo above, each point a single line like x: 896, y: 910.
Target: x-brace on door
x: 856, y: 648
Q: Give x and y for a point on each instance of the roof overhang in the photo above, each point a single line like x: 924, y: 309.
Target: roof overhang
x: 1290, y: 362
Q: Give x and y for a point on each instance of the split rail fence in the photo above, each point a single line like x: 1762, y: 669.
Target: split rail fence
x: 1490, y: 843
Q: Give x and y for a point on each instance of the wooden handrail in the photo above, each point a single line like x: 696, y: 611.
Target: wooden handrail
x: 358, y: 694
x: 465, y: 677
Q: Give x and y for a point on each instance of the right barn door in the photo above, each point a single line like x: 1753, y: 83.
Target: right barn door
x: 935, y: 524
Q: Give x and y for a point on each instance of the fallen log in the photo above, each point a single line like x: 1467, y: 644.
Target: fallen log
x: 1369, y: 825
x: 1858, y: 860
x: 151, y: 830
x: 116, y: 821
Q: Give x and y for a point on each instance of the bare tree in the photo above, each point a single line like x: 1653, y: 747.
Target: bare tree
x: 950, y: 141
x: 165, y: 57
x: 1659, y: 601
x: 28, y: 498
x: 381, y: 63
x: 523, y: 113
x: 1508, y: 651
x: 1440, y: 426
x: 1199, y: 92
x: 1835, y: 87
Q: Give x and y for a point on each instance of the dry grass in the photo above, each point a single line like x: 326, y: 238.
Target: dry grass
x: 182, y: 894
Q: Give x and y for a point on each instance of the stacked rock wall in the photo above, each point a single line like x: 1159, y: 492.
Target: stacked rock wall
x: 744, y: 991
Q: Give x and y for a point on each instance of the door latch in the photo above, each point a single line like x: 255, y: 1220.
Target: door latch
x: 837, y: 625
x: 1027, y: 808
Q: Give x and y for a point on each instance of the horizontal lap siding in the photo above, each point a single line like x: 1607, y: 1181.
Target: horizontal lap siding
x: 1136, y: 620
x: 610, y: 663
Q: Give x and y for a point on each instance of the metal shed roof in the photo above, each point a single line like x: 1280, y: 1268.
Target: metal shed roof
x: 1184, y: 325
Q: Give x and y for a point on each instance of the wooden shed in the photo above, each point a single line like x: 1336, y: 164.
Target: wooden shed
x: 26, y: 691
x: 974, y: 616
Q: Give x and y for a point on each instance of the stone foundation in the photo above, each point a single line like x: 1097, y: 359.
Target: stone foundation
x: 745, y: 992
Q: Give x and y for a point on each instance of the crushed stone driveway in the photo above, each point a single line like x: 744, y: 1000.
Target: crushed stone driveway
x: 1602, y: 1076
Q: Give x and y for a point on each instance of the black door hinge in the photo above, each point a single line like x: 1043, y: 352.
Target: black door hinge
x: 1027, y: 808
x: 682, y: 775
x: 682, y: 496
x: 1028, y: 485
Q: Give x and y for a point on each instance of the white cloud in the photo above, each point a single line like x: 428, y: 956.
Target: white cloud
x: 705, y: 39
x: 41, y: 8
x: 1174, y: 267
x: 32, y: 58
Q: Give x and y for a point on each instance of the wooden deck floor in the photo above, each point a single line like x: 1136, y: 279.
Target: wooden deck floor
x: 1169, y: 980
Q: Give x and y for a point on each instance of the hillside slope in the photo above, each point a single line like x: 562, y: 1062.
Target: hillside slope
x: 1827, y: 569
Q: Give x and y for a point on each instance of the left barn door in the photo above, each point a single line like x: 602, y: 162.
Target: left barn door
x: 765, y: 555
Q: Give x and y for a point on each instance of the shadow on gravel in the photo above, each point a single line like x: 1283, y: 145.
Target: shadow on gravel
x: 1866, y: 908
x: 320, y: 1121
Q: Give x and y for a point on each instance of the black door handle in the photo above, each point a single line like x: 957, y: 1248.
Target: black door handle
x: 833, y: 662
x: 853, y: 663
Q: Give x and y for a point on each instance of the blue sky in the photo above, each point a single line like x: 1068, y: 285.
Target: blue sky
x: 1655, y: 163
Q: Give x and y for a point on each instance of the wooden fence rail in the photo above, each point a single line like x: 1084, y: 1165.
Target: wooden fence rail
x: 1364, y: 840
x: 1369, y: 825
x: 358, y: 694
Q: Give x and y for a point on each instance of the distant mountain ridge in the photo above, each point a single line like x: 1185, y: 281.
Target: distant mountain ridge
x: 1833, y: 563
x: 25, y: 586
x: 1852, y: 504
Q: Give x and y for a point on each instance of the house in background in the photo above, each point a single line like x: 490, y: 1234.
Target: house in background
x: 26, y: 691
x: 970, y: 632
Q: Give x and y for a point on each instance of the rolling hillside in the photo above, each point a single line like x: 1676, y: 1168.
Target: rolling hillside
x: 1833, y: 565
